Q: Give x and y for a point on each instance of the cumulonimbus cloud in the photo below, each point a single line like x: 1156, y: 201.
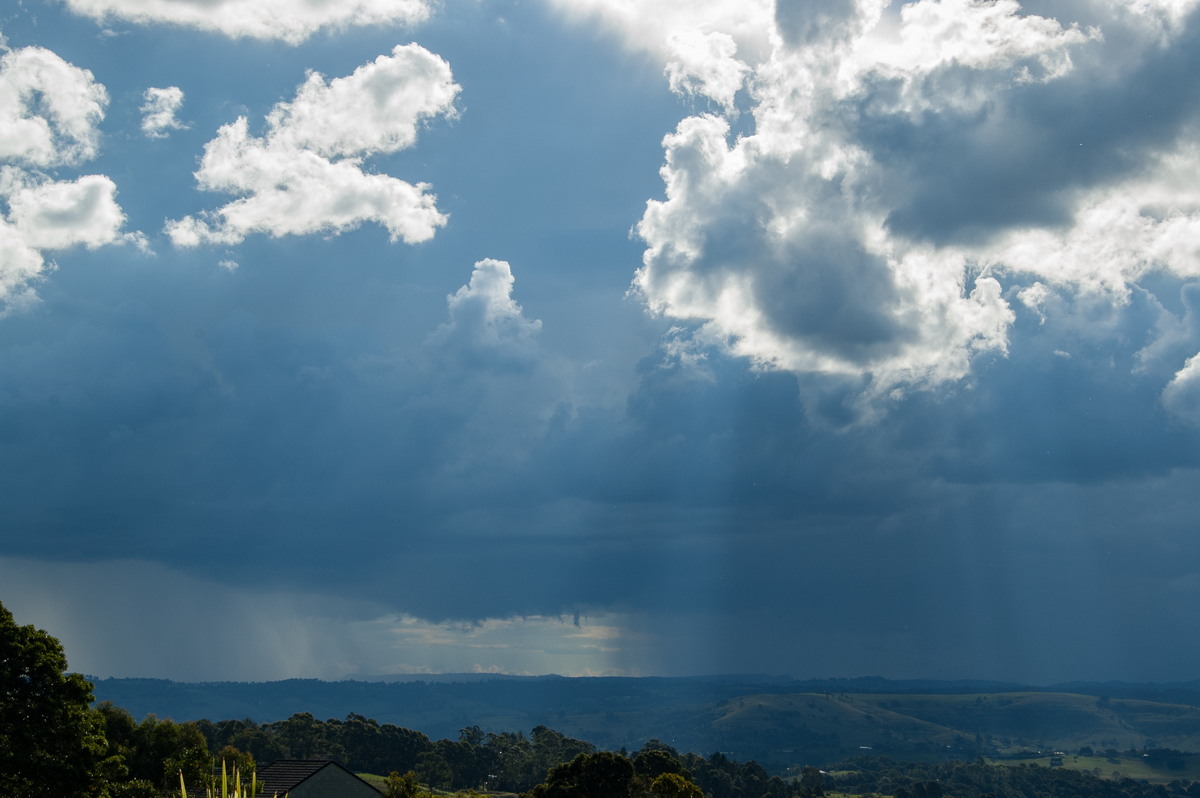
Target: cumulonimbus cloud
x: 291, y: 21
x: 909, y: 170
x: 305, y: 174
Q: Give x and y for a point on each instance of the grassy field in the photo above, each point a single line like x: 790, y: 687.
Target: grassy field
x: 1004, y: 722
x: 1123, y: 767
x: 1064, y: 721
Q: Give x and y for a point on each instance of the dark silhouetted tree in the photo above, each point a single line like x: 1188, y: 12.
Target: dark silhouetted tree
x: 812, y: 782
x: 651, y: 764
x: 51, y: 740
x: 599, y: 775
x: 673, y: 785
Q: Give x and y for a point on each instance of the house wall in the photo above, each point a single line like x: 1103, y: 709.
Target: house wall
x: 333, y: 782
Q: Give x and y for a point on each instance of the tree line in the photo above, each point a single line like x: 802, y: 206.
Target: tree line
x: 541, y: 763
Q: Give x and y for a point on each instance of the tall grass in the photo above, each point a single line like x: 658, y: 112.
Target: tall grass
x: 239, y: 790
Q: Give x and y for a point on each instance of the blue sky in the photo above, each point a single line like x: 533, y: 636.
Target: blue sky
x: 350, y: 339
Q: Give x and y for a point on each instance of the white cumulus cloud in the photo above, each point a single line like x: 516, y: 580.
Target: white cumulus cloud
x: 50, y: 111
x: 1181, y: 397
x: 62, y: 214
x: 290, y: 21
x: 774, y: 258
x: 905, y: 167
x: 706, y: 45
x: 705, y: 64
x: 305, y: 174
x: 159, y: 111
x: 486, y: 324
x: 20, y: 265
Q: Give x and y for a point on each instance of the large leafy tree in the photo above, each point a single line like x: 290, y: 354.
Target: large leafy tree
x: 52, y: 742
x: 600, y: 775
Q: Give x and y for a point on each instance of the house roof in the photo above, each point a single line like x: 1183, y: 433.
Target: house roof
x: 284, y: 775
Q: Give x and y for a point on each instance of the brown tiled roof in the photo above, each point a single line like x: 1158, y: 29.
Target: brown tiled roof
x: 284, y: 775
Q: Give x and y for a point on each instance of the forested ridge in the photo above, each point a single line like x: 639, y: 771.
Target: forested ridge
x: 773, y: 720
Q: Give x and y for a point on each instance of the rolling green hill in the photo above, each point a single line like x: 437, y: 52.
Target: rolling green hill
x: 1054, y: 720
x: 819, y: 727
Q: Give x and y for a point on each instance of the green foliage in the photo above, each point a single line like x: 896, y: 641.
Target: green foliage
x: 156, y: 750
x: 811, y: 782
x: 153, y: 754
x: 508, y: 761
x: 233, y: 785
x: 240, y: 761
x: 305, y: 737
x: 228, y: 785
x: 359, y: 743
x: 599, y: 775
x: 650, y: 764
x: 402, y: 786
x: 432, y: 769
x: 244, y: 735
x: 673, y: 785
x: 51, y: 740
x: 53, y: 744
x: 654, y: 772
x: 138, y: 788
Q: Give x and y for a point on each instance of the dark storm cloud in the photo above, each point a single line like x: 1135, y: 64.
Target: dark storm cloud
x: 1071, y: 408
x: 185, y: 436
x: 713, y: 498
x: 837, y: 296
x: 1022, y: 157
x: 821, y: 287
x: 399, y: 466
x: 946, y: 578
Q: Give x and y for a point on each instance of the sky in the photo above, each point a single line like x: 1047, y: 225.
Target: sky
x: 368, y: 338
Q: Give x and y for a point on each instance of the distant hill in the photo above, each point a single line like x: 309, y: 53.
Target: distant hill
x: 775, y: 720
x: 962, y: 726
